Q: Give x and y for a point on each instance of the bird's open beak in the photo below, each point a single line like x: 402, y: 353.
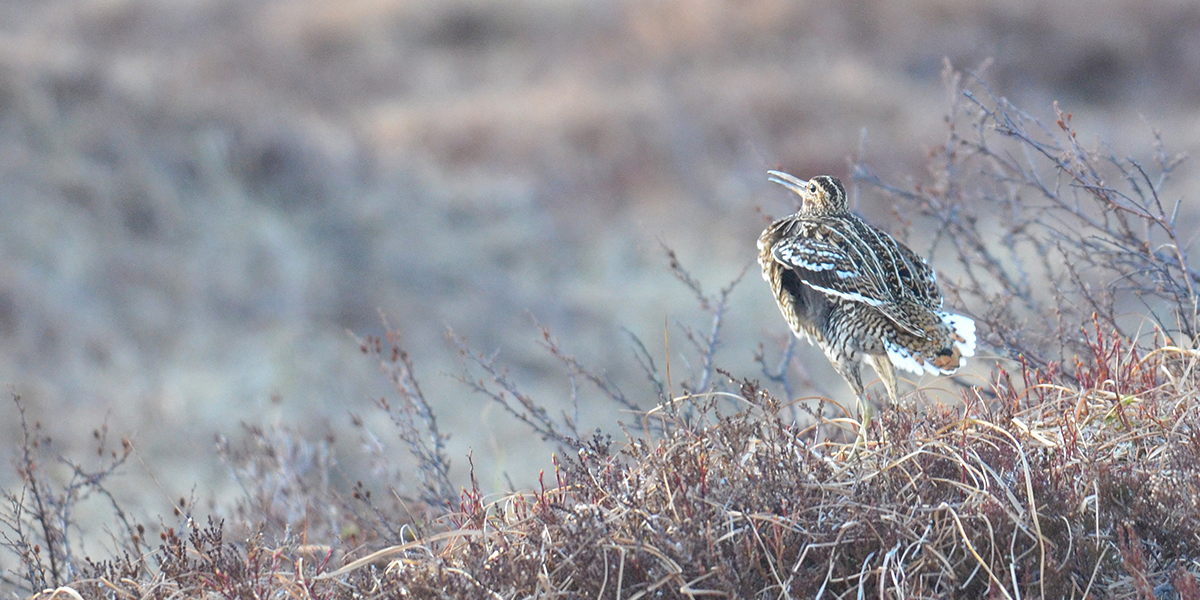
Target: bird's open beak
x: 788, y: 181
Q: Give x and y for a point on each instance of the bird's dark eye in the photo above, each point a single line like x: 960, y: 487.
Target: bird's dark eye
x: 812, y: 187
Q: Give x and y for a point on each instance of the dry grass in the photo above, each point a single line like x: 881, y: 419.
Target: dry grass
x: 1043, y: 491
x: 1050, y: 492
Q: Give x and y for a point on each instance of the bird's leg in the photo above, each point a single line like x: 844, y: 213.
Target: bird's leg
x: 887, y: 373
x: 849, y: 370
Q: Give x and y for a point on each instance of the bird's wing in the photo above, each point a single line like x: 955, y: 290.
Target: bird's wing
x: 843, y: 261
x: 916, y: 275
x: 903, y: 271
x: 829, y: 262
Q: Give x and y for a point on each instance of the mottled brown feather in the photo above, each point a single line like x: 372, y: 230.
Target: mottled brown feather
x: 856, y: 292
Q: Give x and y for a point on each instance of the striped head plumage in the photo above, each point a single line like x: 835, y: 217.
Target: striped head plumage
x: 821, y: 195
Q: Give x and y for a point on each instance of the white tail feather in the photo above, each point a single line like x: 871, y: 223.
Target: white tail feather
x: 904, y: 359
x: 965, y: 328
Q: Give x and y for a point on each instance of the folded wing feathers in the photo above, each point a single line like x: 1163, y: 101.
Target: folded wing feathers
x: 852, y: 296
x: 837, y: 270
x: 813, y: 256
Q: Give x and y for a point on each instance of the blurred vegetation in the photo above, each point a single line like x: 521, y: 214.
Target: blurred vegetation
x: 202, y: 197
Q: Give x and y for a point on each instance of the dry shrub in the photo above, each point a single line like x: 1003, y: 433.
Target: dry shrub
x: 38, y: 525
x: 1047, y: 230
x: 1049, y: 492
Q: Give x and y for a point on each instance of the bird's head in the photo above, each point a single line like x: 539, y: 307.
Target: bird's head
x: 821, y: 195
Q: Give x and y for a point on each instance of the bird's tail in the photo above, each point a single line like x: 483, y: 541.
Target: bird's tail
x: 949, y: 340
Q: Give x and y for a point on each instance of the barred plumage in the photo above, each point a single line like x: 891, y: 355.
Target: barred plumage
x: 856, y: 292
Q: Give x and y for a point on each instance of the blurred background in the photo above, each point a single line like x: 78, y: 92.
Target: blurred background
x: 202, y: 200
